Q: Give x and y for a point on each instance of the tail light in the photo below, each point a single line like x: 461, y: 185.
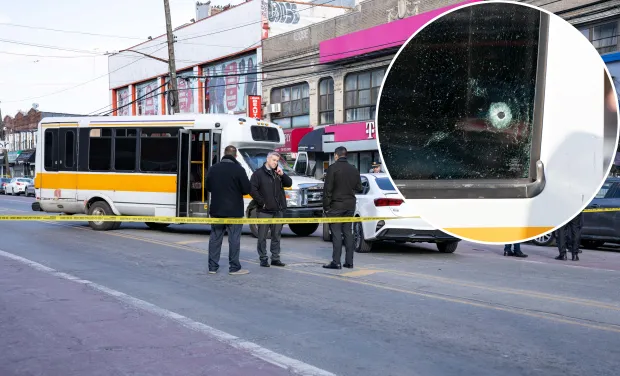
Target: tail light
x: 20, y: 183
x: 388, y: 202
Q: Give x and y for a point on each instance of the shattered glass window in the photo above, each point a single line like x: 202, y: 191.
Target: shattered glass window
x: 458, y: 103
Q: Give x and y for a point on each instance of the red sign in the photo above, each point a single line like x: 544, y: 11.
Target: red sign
x: 292, y: 138
x: 231, y: 85
x: 254, y: 107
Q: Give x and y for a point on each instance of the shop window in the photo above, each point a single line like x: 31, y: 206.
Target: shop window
x: 295, y: 102
x: 100, y: 149
x: 125, y: 146
x: 604, y: 37
x: 159, y: 149
x: 326, y: 101
x: 469, y: 110
x: 361, y: 92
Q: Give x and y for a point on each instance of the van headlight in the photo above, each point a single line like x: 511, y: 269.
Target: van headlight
x: 293, y: 198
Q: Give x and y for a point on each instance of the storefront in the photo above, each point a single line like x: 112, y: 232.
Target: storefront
x: 316, y: 149
x: 291, y: 143
x: 24, y: 164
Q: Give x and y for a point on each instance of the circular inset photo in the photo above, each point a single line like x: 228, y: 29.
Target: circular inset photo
x: 494, y: 122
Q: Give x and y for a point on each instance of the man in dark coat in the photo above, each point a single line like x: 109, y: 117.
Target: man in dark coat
x: 568, y: 237
x: 342, y: 182
x: 268, y: 183
x: 227, y: 182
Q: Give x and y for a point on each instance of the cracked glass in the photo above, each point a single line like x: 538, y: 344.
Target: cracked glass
x: 458, y: 102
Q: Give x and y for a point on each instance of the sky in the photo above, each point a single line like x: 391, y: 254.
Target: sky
x: 51, y: 79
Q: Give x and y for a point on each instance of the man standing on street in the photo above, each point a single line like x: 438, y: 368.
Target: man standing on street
x: 228, y: 183
x: 267, y: 190
x: 342, y: 182
x: 569, y: 237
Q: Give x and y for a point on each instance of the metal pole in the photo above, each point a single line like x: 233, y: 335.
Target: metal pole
x: 171, y: 64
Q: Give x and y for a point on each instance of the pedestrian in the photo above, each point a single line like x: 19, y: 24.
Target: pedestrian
x: 376, y: 168
x: 342, y: 182
x: 568, y: 238
x: 267, y: 190
x: 227, y: 182
x: 516, y: 253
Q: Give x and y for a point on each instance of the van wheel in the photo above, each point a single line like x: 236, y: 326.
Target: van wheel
x: 327, y: 235
x: 156, y: 225
x: 447, y: 247
x: 101, y: 208
x: 254, y: 227
x: 302, y: 229
x: 360, y: 244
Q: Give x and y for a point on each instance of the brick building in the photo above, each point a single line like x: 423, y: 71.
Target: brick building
x: 18, y: 135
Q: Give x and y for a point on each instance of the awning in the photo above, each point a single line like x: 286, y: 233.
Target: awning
x: 312, y: 141
x: 360, y: 136
x: 292, y: 137
x: 25, y: 156
x: 389, y: 35
x: 13, y: 155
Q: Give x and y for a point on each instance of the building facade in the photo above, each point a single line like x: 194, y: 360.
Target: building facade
x: 326, y: 77
x: 18, y: 136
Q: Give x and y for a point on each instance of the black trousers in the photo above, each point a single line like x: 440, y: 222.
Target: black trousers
x: 234, y: 246
x: 340, y: 231
x: 276, y: 233
x: 568, y: 237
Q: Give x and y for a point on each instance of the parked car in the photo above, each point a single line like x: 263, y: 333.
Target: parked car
x: 380, y: 198
x: 3, y: 183
x: 598, y: 228
x: 17, y: 186
x: 30, y: 190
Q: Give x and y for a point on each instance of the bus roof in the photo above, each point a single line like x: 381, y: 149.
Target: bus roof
x: 178, y: 120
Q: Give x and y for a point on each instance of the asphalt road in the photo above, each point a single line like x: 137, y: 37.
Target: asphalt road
x: 143, y: 303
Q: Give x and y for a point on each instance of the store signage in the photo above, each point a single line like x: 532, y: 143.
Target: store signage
x: 370, y: 129
x: 254, y: 108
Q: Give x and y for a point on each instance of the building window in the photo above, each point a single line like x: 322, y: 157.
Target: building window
x: 125, y: 146
x: 361, y: 92
x: 100, y: 150
x: 295, y: 102
x: 604, y: 37
x: 326, y: 101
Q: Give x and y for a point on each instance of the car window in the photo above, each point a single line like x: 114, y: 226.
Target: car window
x: 365, y: 185
x: 385, y: 184
x: 24, y: 180
x: 603, y: 191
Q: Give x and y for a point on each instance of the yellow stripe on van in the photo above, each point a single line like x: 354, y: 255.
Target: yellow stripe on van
x: 498, y: 234
x: 54, y: 125
x: 108, y: 182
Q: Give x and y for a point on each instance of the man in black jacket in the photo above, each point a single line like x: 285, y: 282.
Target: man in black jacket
x: 342, y: 182
x: 228, y: 183
x: 267, y: 190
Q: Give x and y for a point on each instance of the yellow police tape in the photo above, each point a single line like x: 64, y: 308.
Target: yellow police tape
x: 229, y: 221
x: 178, y: 220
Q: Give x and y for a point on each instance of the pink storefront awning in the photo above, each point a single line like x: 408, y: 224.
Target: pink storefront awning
x: 378, y: 38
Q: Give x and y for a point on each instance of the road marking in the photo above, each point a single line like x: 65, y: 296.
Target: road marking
x: 191, y: 241
x: 292, y: 365
x: 360, y: 273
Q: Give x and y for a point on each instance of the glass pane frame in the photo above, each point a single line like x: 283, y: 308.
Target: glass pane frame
x: 520, y: 188
x: 297, y: 103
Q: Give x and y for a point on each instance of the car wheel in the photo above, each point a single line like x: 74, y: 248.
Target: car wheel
x: 101, y: 208
x: 302, y: 229
x: 545, y: 240
x: 360, y: 244
x: 327, y: 234
x: 447, y: 247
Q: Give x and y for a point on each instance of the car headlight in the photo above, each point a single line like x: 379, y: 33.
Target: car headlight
x: 293, y: 198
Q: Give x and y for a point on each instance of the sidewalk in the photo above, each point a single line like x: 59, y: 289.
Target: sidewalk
x: 53, y: 326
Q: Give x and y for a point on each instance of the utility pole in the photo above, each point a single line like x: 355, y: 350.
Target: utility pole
x: 173, y: 96
x: 5, y: 150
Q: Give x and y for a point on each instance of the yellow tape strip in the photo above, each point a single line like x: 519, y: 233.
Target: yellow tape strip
x: 601, y: 210
x: 230, y: 221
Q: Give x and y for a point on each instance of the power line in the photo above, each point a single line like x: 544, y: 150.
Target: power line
x: 47, y: 46
x: 69, y: 31
x: 50, y: 56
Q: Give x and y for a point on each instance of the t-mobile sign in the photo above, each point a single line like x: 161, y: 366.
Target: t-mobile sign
x: 254, y: 106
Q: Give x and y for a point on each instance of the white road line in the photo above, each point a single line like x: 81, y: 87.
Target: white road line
x: 292, y: 365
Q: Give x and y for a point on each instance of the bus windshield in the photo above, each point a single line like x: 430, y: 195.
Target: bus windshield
x: 255, y: 158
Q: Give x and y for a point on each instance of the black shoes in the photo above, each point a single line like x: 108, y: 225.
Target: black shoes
x: 349, y: 266
x: 264, y: 264
x: 576, y: 256
x: 332, y: 265
x: 520, y: 254
x: 277, y: 263
x: 508, y: 253
x: 561, y: 257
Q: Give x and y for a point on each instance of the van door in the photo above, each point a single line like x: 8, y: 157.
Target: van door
x: 301, y: 164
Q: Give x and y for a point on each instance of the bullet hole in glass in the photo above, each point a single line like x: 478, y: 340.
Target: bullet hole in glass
x: 458, y: 101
